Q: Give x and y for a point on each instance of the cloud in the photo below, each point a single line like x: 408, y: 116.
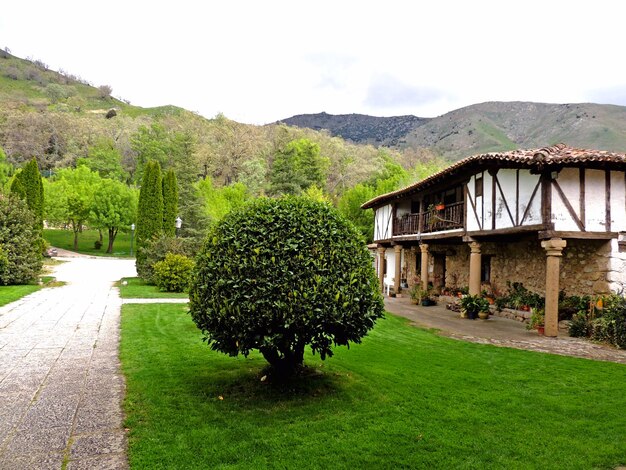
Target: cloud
x: 386, y: 91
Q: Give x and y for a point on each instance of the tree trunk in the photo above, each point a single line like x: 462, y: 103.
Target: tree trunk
x: 75, y: 240
x: 285, y: 363
x: 112, y: 235
x: 100, y: 233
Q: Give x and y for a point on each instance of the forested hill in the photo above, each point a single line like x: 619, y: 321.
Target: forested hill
x: 360, y: 128
x: 486, y: 127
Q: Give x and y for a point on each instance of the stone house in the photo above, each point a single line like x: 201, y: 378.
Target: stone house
x: 551, y: 218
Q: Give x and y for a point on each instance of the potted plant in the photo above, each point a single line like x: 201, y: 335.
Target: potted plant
x: 537, y: 321
x: 473, y: 304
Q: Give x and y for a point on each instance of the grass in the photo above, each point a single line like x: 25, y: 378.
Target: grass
x: 136, y: 288
x: 65, y: 239
x: 10, y: 294
x: 404, y: 398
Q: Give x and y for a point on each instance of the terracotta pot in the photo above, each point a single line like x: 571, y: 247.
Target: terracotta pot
x: 541, y: 330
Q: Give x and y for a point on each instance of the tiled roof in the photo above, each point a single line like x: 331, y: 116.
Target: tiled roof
x: 556, y: 155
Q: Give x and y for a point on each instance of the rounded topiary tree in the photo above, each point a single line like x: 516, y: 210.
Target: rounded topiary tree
x: 280, y: 274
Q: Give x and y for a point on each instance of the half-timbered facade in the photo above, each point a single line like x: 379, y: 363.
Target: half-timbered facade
x: 552, y: 218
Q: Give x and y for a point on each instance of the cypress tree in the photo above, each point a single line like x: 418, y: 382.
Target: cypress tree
x: 31, y: 181
x: 170, y: 203
x: 149, y: 211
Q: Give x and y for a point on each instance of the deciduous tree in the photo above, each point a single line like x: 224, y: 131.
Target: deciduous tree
x: 114, y: 208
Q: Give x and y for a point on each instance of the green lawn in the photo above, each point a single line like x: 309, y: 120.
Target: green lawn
x: 65, y: 239
x: 405, y: 398
x: 136, y: 288
x: 10, y: 294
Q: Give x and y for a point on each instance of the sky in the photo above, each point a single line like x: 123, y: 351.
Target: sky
x: 259, y: 61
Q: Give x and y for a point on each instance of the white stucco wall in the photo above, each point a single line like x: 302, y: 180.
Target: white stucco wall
x: 569, y: 182
x: 618, y: 201
x: 383, y: 223
x: 595, y: 196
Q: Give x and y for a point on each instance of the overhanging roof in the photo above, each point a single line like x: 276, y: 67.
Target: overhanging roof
x: 538, y: 159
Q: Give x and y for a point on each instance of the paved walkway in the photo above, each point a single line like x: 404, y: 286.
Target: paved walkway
x: 500, y: 332
x: 60, y: 382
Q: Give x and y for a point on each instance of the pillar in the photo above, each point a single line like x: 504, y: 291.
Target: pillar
x: 554, y: 252
x: 381, y: 267
x: 411, y: 262
x: 474, y: 268
x: 424, y: 274
x: 398, y: 271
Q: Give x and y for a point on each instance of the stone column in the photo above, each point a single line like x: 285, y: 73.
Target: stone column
x: 381, y: 267
x: 397, y: 249
x: 424, y: 274
x: 411, y: 262
x: 554, y: 252
x: 474, y: 268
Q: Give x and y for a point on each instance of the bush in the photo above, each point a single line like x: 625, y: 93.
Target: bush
x: 97, y: 244
x: 280, y: 274
x: 157, y: 249
x: 21, y: 258
x: 173, y: 273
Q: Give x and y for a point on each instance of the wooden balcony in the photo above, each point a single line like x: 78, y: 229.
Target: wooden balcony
x: 449, y: 218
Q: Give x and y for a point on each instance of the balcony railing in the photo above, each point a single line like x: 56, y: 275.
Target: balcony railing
x: 449, y: 218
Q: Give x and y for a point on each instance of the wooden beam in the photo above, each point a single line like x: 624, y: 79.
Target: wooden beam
x: 581, y: 196
x: 568, y: 206
x: 493, y: 199
x: 507, y: 231
x: 578, y: 235
x: 517, y: 222
x: 469, y: 197
x: 546, y: 198
x: 607, y: 199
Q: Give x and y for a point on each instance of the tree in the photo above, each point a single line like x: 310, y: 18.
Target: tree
x: 170, y: 203
x: 104, y: 91
x: 280, y: 274
x: 28, y: 184
x: 350, y: 206
x: 220, y: 201
x: 297, y: 167
x: 104, y: 158
x: 69, y: 198
x: 149, y: 211
x: 20, y: 257
x: 6, y: 169
x: 114, y: 208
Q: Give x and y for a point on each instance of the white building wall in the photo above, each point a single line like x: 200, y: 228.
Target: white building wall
x: 508, y: 184
x: 527, y: 185
x: 569, y: 182
x: 383, y: 223
x: 618, y: 202
x: 472, y: 223
x: 595, y: 201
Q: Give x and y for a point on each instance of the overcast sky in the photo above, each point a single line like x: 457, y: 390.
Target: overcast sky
x: 259, y: 61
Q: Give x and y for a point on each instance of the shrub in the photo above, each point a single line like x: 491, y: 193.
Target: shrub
x: 97, y: 244
x: 279, y: 274
x: 173, y: 273
x: 157, y: 248
x: 21, y: 258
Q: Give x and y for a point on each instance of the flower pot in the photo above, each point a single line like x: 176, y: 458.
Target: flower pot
x: 471, y: 315
x: 541, y: 330
x: 483, y: 315
x: 440, y: 207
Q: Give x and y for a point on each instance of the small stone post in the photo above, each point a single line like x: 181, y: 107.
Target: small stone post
x: 381, y: 267
x: 474, y: 274
x: 398, y: 271
x: 424, y: 274
x: 554, y: 252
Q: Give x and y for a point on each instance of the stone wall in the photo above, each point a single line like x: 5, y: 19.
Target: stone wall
x: 587, y: 266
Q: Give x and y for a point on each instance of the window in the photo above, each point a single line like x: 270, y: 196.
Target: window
x: 478, y: 186
x: 485, y: 268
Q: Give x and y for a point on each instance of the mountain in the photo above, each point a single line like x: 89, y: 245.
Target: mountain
x: 499, y: 126
x: 360, y: 128
x: 485, y: 127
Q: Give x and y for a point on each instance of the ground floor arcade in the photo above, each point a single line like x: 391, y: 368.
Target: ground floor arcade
x: 580, y: 266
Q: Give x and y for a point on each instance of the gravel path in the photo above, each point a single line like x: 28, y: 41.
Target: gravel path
x: 60, y: 382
